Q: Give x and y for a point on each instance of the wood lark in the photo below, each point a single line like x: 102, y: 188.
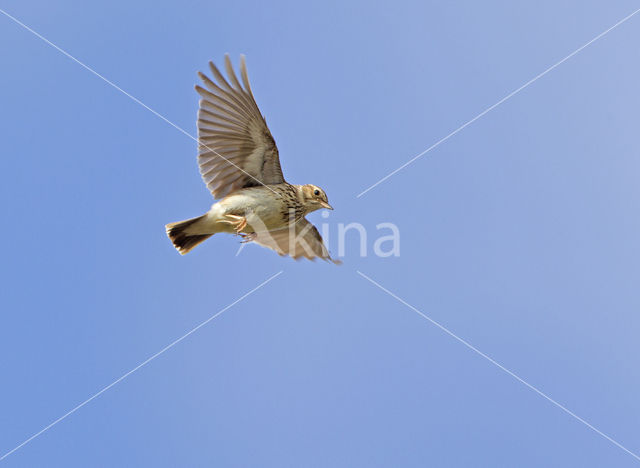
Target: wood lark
x: 239, y: 162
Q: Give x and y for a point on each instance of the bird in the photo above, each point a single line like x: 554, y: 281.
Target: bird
x: 240, y: 165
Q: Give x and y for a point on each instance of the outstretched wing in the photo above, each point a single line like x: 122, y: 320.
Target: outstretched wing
x: 301, y: 239
x: 235, y: 146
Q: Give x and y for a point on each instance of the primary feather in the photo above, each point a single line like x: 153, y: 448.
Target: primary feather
x: 235, y: 147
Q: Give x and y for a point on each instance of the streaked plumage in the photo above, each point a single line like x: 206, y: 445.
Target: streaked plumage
x: 239, y: 163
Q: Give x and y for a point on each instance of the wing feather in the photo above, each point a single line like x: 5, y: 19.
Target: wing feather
x: 299, y: 240
x: 236, y: 149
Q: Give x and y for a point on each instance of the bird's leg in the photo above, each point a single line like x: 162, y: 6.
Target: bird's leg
x: 237, y: 222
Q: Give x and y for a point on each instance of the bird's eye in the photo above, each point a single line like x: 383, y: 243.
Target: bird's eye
x: 316, y: 192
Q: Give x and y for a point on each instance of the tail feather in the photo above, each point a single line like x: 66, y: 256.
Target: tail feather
x: 182, y: 239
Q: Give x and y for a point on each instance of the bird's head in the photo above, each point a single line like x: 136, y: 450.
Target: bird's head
x: 315, y: 198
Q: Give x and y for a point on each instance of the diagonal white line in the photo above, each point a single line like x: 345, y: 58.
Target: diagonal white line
x: 242, y: 244
x: 133, y: 98
x: 142, y: 364
x: 507, y: 97
x: 500, y: 366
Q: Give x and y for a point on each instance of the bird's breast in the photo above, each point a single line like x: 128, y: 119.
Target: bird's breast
x: 263, y: 207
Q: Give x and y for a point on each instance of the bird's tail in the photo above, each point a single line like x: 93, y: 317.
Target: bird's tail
x: 185, y: 235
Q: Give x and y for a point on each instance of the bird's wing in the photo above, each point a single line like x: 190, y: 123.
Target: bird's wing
x: 235, y: 146
x: 301, y: 239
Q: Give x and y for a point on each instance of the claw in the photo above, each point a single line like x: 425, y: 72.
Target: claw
x: 247, y: 237
x: 237, y: 222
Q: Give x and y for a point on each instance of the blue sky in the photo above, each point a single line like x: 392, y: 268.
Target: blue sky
x: 519, y: 234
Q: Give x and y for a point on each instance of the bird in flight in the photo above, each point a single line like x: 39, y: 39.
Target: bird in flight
x: 239, y: 163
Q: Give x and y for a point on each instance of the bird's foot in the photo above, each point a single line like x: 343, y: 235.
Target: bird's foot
x: 237, y: 222
x: 248, y: 237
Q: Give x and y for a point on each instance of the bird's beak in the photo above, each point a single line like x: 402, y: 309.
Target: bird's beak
x: 324, y: 204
